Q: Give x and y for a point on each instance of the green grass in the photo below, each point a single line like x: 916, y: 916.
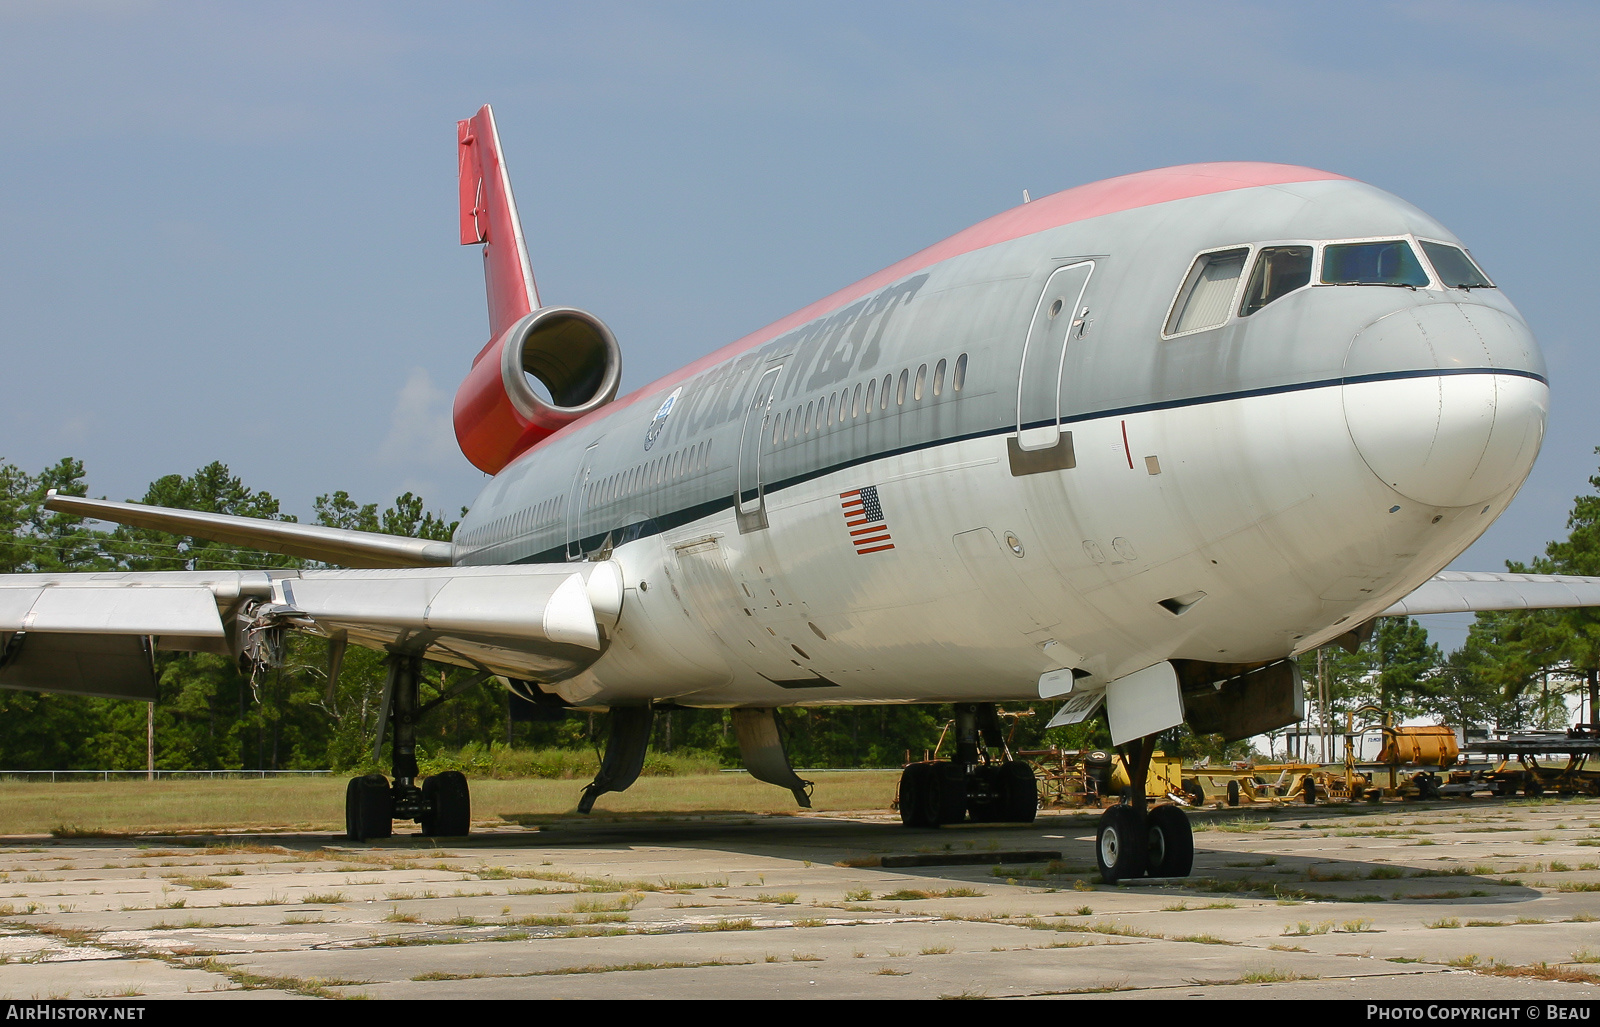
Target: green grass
x: 326, y: 898
x: 500, y: 763
x: 742, y: 924
x: 110, y: 809
x: 914, y: 894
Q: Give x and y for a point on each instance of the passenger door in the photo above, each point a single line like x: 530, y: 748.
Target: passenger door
x: 1058, y: 319
x: 750, y: 501
x: 577, y: 503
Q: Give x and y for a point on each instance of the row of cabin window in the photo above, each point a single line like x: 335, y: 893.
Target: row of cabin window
x: 650, y: 474
x: 519, y: 523
x: 847, y: 404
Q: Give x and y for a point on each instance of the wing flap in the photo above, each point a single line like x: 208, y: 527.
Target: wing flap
x: 1475, y: 591
x: 111, y: 610
x: 109, y: 666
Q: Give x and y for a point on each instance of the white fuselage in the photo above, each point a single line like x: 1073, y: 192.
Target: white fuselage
x: 1232, y: 495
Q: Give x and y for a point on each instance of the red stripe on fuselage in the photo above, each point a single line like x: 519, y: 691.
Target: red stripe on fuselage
x: 1097, y: 199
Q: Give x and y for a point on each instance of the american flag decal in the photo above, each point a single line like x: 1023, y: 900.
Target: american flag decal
x: 863, y: 515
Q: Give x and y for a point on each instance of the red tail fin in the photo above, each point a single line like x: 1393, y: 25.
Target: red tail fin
x: 489, y: 216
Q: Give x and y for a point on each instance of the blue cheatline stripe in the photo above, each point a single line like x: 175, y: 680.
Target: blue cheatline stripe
x: 689, y: 514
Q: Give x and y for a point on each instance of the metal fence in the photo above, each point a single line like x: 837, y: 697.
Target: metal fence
x: 144, y: 775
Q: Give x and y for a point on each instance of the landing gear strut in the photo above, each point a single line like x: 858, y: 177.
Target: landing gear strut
x: 1136, y: 841
x: 980, y: 779
x: 372, y: 803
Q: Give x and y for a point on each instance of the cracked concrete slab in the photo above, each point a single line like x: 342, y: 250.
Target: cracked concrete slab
x: 1447, y: 900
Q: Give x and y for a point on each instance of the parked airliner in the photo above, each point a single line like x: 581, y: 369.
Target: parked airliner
x: 1132, y: 446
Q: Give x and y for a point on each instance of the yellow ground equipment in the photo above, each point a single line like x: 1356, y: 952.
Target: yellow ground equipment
x: 1427, y: 744
x: 1072, y: 777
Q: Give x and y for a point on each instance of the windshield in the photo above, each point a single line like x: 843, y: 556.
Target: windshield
x: 1373, y: 263
x: 1455, y: 268
x: 1279, y: 270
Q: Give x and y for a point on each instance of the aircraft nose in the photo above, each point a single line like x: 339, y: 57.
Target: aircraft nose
x: 1463, y: 427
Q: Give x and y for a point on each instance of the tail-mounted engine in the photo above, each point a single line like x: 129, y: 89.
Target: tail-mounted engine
x: 547, y: 370
x: 544, y: 367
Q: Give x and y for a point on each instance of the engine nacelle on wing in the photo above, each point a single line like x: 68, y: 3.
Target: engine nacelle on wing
x: 498, y: 411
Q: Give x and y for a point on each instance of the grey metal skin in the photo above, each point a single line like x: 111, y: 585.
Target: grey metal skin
x: 980, y: 304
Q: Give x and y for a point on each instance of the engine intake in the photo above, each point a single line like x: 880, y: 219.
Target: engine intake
x: 499, y: 413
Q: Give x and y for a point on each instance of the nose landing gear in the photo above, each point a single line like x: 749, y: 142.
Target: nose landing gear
x: 1135, y: 841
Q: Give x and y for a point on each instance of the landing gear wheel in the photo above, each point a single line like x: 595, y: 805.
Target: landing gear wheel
x: 950, y: 793
x: 449, y: 805
x: 1233, y: 793
x: 1120, y: 845
x: 986, y: 805
x: 1019, y: 793
x: 1171, y: 851
x: 368, y: 808
x: 918, y: 796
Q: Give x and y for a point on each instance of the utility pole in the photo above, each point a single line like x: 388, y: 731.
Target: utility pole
x: 150, y: 741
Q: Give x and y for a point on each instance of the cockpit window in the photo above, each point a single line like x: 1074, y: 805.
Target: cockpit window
x: 1279, y: 270
x: 1373, y: 263
x: 1455, y: 268
x: 1207, y: 293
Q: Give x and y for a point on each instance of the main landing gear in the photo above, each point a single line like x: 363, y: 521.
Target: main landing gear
x: 1136, y: 841
x: 372, y: 803
x: 974, y: 781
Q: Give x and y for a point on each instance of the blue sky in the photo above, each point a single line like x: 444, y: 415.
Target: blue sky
x: 227, y: 231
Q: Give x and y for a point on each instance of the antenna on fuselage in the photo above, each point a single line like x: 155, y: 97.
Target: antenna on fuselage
x: 1025, y: 197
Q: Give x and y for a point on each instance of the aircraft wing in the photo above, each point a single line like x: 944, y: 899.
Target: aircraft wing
x: 314, y: 541
x: 1474, y: 591
x: 95, y: 634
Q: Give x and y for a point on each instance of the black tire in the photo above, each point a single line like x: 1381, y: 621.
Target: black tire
x: 449, y: 803
x: 908, y: 796
x: 919, y: 799
x: 1533, y: 787
x: 352, y: 809
x: 950, y: 793
x: 1308, y: 787
x: 1121, y: 845
x: 1019, y: 793
x: 1195, y: 793
x: 368, y: 810
x: 1171, y: 852
x: 1097, y: 767
x: 1233, y: 793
